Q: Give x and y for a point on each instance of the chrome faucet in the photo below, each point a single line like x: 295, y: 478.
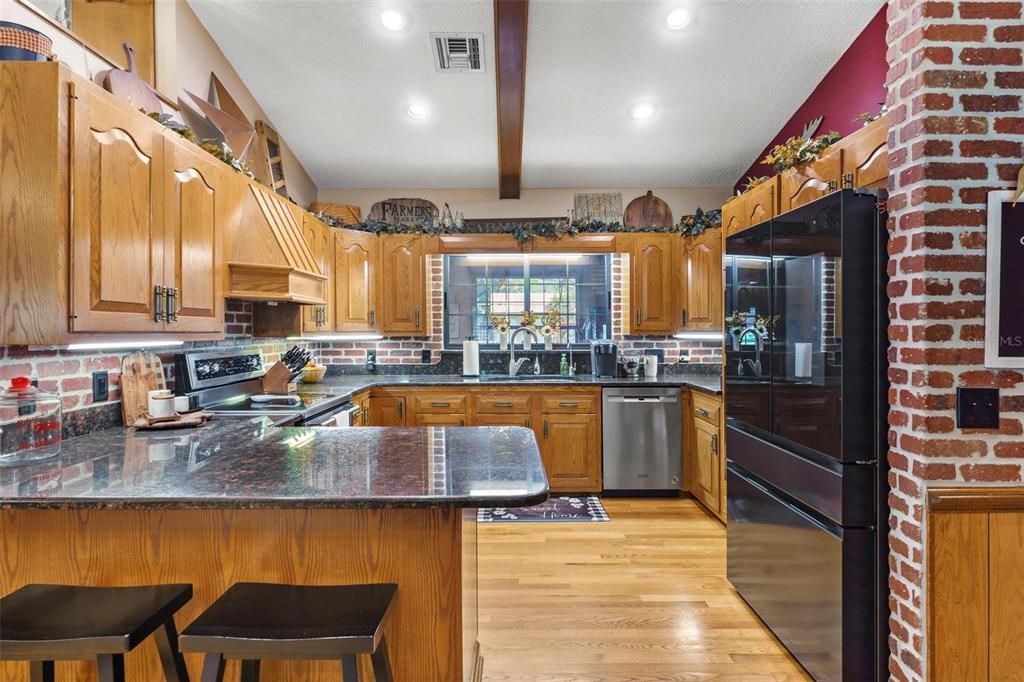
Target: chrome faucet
x: 513, y: 364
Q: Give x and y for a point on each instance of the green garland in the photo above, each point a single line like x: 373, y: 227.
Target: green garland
x: 524, y: 232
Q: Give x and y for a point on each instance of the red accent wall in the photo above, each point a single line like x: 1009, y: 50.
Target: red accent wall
x: 854, y: 85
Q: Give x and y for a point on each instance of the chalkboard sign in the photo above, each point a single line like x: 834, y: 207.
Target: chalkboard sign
x: 1004, y: 312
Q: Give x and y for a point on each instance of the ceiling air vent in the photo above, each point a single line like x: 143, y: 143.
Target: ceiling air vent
x: 458, y: 52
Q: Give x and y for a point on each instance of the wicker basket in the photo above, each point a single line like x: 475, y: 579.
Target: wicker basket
x: 350, y: 215
x: 313, y: 375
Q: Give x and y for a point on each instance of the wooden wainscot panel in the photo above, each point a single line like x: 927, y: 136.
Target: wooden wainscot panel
x: 478, y: 243
x: 974, y: 585
x: 597, y: 242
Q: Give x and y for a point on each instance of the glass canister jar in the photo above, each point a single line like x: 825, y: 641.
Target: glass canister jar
x: 29, y: 418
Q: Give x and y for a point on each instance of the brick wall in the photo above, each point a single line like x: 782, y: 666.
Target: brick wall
x: 70, y: 372
x: 957, y: 128
x: 407, y: 351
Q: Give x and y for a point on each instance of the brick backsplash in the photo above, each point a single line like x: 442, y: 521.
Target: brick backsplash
x: 956, y: 132
x: 70, y: 372
x: 407, y: 351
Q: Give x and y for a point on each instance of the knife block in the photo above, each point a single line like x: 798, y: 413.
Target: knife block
x: 277, y: 380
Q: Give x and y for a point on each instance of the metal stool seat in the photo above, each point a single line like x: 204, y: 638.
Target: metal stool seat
x: 262, y: 621
x: 47, y: 623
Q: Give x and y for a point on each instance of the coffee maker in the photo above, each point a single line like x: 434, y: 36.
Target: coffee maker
x: 604, y: 359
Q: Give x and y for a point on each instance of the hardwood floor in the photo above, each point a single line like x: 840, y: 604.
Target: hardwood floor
x: 641, y: 599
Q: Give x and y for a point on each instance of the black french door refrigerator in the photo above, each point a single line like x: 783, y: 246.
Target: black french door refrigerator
x: 806, y: 407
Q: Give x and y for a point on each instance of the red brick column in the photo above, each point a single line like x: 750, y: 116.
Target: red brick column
x: 957, y: 128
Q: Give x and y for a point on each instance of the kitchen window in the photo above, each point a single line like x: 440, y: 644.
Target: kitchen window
x: 478, y: 287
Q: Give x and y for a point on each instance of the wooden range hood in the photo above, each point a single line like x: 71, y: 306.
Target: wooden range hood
x: 269, y: 259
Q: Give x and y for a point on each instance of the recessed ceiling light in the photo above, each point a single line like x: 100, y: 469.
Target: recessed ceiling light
x: 642, y: 111
x: 678, y: 19
x: 393, y: 20
x: 418, y: 111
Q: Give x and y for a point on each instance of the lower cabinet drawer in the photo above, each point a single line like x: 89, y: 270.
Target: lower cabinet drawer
x: 503, y: 403
x: 439, y: 403
x: 569, y: 403
x: 707, y: 408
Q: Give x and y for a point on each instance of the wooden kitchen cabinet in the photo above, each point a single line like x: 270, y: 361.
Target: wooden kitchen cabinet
x: 356, y: 265
x: 734, y: 215
x: 319, y: 319
x: 117, y: 223
x: 403, y: 286
x: 702, y: 285
x: 387, y: 410
x: 813, y: 180
x: 652, y: 301
x: 704, y: 461
x: 571, y: 449
x: 760, y: 204
x: 866, y: 156
x: 362, y: 414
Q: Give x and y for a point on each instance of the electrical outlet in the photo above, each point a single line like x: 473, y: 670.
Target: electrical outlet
x: 100, y: 386
x: 371, y: 360
x: 977, y: 408
x: 425, y: 356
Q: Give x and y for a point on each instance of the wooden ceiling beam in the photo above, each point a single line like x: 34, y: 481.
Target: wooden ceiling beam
x: 510, y: 22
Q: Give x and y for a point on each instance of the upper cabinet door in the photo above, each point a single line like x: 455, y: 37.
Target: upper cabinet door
x: 403, y: 286
x: 197, y: 210
x: 318, y: 237
x: 355, y: 280
x: 703, y: 276
x: 116, y: 223
x: 652, y: 304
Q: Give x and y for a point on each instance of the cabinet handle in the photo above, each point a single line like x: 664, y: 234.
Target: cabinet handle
x: 568, y: 404
x: 417, y: 318
x: 462, y: 422
x: 373, y: 318
x: 401, y: 410
x: 682, y: 317
x: 638, y: 315
x: 703, y: 411
x: 546, y: 430
x: 848, y: 181
x: 171, y: 315
x: 320, y: 315
x: 503, y: 405
x: 158, y: 303
x: 714, y: 444
x: 526, y: 423
x: 440, y: 404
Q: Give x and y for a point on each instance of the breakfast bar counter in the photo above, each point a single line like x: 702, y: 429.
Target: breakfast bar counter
x: 239, y: 500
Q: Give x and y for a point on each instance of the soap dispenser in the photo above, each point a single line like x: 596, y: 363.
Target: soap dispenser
x: 536, y: 365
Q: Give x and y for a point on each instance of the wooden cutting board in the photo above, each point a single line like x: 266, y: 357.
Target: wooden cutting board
x: 129, y: 86
x: 647, y: 211
x: 141, y: 372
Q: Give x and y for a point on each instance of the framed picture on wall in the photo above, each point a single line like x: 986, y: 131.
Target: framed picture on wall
x: 1004, y: 316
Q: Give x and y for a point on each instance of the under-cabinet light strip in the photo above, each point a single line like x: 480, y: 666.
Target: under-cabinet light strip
x: 699, y: 336
x: 119, y: 345
x: 336, y: 337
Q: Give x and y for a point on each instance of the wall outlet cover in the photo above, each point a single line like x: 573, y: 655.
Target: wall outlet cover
x: 977, y: 408
x: 100, y: 386
x: 425, y: 356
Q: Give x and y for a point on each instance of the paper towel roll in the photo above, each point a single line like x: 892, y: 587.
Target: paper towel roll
x: 803, y: 357
x: 471, y: 358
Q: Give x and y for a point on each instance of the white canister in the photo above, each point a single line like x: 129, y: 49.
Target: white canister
x: 160, y: 404
x: 650, y: 366
x: 471, y: 357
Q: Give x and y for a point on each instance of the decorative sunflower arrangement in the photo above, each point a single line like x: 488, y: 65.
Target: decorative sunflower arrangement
x: 500, y: 323
x: 797, y: 150
x: 552, y: 322
x: 740, y: 321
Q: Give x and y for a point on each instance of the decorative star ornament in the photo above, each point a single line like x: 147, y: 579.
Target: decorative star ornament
x: 227, y: 117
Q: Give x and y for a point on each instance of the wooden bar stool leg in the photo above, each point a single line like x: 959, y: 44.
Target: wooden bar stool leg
x: 349, y: 668
x: 250, y: 671
x: 170, y: 658
x: 41, y: 671
x: 381, y: 663
x: 213, y: 668
x: 111, y: 667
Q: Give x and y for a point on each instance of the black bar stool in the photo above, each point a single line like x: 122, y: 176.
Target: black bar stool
x: 47, y: 623
x: 261, y: 621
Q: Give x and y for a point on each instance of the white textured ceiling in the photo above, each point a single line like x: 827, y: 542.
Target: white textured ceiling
x: 337, y: 85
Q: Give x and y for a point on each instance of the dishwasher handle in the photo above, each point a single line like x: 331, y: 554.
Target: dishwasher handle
x: 642, y: 399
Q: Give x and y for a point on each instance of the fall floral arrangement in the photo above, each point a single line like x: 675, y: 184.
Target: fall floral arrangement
x: 552, y: 322
x: 753, y: 182
x: 500, y: 323
x: 216, y: 148
x: 798, y: 150
x: 739, y: 321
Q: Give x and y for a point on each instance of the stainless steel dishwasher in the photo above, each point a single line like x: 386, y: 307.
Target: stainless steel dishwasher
x: 643, y: 439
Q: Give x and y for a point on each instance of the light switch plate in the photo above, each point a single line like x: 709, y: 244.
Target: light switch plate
x: 977, y: 408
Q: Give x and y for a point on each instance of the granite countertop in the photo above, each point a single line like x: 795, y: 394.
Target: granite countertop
x: 349, y: 385
x: 243, y: 463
